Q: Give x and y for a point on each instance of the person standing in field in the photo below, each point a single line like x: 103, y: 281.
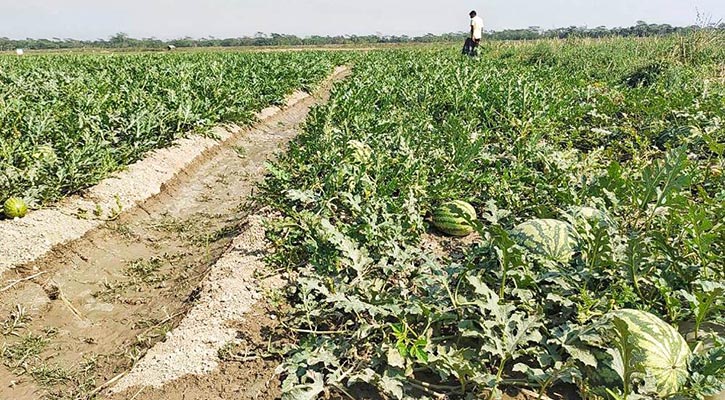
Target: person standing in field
x: 476, y: 32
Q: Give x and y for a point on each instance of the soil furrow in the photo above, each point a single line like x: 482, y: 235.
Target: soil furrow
x: 104, y: 300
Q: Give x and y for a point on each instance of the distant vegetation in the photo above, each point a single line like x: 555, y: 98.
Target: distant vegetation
x: 122, y: 40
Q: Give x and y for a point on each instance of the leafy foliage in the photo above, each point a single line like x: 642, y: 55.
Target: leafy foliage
x: 67, y: 121
x: 380, y: 302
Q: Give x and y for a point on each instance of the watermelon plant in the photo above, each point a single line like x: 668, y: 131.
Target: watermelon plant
x: 69, y: 120
x: 593, y: 195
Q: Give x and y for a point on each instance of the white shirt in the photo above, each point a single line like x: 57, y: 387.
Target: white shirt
x: 477, y: 24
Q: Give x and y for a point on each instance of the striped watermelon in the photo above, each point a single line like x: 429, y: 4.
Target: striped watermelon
x: 550, y: 238
x: 454, y: 218
x: 664, y: 353
x: 15, y: 208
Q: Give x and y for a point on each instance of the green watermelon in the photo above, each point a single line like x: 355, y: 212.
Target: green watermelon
x: 662, y: 352
x: 454, y: 218
x: 15, y: 208
x: 550, y: 238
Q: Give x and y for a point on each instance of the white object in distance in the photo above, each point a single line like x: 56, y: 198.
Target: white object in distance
x: 19, y: 52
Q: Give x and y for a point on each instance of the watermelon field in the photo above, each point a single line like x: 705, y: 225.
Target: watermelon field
x: 68, y: 121
x: 545, y: 220
x: 611, y: 152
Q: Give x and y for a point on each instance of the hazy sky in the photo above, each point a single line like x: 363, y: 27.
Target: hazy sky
x: 91, y: 19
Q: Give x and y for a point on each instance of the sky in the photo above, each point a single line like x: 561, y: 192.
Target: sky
x: 170, y: 19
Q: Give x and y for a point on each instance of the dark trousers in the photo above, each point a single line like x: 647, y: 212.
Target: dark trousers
x: 470, y: 48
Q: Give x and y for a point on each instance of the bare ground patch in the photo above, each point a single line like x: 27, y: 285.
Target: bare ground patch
x: 244, y: 371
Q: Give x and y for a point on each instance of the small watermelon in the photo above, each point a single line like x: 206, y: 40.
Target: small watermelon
x: 454, y: 218
x: 15, y: 208
x: 550, y: 238
x: 663, y: 352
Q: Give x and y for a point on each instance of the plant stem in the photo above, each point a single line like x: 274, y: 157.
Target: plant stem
x: 501, y: 365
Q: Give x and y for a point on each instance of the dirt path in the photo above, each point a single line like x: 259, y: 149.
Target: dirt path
x: 93, y: 308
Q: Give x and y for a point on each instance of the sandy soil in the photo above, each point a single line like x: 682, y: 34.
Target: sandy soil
x: 227, y: 294
x: 241, y: 374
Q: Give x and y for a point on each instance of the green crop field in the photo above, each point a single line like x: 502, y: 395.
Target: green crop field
x: 621, y: 141
x: 581, y: 182
x: 67, y: 121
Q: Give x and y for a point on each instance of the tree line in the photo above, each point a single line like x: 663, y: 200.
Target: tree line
x: 123, y: 40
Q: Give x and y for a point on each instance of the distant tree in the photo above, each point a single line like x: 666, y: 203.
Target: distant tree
x: 123, y: 40
x: 119, y: 40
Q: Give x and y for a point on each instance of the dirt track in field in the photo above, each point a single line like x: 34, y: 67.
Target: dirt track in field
x: 87, y: 313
